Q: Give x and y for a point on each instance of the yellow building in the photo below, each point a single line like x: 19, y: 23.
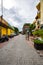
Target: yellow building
x: 3, y: 31
x: 38, y: 16
x: 5, y: 28
x: 41, y: 11
x: 10, y: 31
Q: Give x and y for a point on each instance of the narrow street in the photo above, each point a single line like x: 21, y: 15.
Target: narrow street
x: 18, y: 51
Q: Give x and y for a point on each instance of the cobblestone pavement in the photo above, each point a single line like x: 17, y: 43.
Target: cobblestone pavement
x: 19, y: 52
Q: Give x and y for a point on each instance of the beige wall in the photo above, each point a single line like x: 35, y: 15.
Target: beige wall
x: 41, y: 11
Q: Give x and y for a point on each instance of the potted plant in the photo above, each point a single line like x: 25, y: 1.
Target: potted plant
x: 38, y: 44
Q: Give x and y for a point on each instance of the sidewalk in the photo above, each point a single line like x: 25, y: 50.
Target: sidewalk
x: 40, y: 52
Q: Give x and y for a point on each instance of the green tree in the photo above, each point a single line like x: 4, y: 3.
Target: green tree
x: 32, y: 26
x: 16, y: 30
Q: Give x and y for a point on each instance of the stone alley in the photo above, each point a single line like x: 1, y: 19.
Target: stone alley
x: 17, y: 51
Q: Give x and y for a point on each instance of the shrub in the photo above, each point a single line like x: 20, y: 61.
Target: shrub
x: 38, y: 33
x: 35, y: 33
x: 36, y: 41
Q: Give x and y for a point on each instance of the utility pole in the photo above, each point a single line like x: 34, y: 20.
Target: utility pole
x: 2, y: 7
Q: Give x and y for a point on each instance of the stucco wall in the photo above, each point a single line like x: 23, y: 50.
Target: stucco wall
x: 41, y: 11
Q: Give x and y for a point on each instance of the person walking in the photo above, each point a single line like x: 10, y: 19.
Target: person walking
x: 27, y: 35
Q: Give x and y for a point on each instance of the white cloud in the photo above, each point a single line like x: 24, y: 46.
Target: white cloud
x: 18, y: 12
x: 8, y: 3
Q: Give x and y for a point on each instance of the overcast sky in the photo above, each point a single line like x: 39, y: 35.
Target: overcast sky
x: 18, y: 12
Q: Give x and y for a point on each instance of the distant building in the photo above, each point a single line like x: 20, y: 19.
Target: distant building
x: 25, y: 27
